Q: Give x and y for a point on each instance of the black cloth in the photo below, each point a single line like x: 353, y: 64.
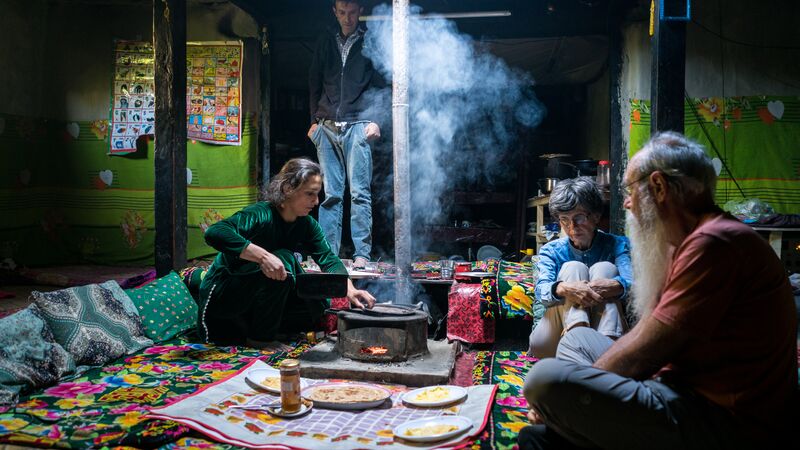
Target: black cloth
x: 540, y: 437
x: 338, y: 93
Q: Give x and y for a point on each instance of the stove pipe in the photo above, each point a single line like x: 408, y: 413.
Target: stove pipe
x: 402, y: 187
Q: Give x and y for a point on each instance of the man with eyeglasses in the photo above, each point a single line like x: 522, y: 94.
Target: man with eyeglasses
x: 711, y: 362
x: 583, y: 277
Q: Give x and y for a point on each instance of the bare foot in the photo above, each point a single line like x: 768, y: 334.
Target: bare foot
x: 360, y: 262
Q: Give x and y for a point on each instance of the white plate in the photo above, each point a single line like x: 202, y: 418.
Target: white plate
x: 455, y: 393
x: 358, y: 274
x: 474, y: 274
x: 488, y: 251
x: 254, y: 378
x: 461, y: 422
x: 349, y: 405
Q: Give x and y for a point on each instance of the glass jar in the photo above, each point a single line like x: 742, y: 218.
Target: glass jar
x: 603, y: 174
x: 290, y: 385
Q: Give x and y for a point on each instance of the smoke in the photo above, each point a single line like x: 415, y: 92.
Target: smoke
x: 466, y: 108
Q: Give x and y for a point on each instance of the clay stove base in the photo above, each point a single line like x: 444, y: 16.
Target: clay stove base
x: 322, y: 361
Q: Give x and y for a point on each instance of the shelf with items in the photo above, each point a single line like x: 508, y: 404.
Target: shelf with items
x: 540, y: 203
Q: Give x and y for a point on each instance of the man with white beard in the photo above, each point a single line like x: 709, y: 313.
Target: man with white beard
x: 711, y: 362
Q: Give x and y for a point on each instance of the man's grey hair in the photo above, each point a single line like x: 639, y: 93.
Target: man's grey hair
x: 291, y: 176
x: 574, y: 192
x: 684, y: 162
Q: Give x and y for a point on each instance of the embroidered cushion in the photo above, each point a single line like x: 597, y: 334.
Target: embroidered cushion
x: 94, y: 323
x: 464, y: 321
x: 30, y: 357
x: 515, y: 285
x: 165, y: 306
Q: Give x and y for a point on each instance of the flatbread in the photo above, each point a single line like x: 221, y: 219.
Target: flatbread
x: 346, y: 394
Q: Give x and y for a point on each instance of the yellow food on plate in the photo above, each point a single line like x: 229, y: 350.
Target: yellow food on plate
x: 436, y: 394
x: 272, y: 382
x: 430, y: 430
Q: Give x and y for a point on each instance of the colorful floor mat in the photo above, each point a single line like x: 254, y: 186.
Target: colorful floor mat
x: 105, y: 407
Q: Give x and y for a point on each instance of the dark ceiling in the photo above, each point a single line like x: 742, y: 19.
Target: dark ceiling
x: 303, y: 19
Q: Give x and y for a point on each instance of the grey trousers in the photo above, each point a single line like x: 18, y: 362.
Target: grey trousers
x: 608, y: 318
x: 590, y: 407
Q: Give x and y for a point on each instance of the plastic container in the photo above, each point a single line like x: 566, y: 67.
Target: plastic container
x: 528, y: 252
x: 603, y: 173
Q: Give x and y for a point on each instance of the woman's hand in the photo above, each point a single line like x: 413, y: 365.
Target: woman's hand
x: 578, y: 293
x: 606, y: 288
x: 270, y: 265
x: 359, y: 298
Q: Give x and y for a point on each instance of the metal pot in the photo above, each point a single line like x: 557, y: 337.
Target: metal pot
x: 557, y: 166
x: 585, y: 167
x: 547, y: 184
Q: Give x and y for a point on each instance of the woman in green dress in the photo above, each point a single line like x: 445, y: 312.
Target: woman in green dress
x: 248, y: 294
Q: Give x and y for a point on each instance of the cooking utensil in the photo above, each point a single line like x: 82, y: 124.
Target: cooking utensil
x: 321, y: 285
x: 378, y: 310
x: 585, y: 167
x: 547, y: 184
x: 557, y: 166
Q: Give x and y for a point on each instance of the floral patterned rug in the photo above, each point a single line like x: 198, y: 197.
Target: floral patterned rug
x: 104, y: 407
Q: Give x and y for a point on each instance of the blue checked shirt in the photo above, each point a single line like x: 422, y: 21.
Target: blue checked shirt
x: 605, y: 247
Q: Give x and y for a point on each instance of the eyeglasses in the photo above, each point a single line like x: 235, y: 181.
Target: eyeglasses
x: 577, y: 220
x: 627, y: 189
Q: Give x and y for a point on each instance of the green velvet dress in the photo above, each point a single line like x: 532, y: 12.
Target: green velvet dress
x: 237, y: 300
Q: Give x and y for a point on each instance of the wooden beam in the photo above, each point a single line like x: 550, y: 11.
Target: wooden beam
x: 169, y: 40
x: 669, y: 69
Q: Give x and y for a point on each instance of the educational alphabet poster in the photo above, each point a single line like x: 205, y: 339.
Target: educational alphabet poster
x: 213, y: 100
x: 213, y: 97
x: 133, y: 95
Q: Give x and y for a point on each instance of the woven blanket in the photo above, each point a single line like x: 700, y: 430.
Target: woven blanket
x: 107, y: 407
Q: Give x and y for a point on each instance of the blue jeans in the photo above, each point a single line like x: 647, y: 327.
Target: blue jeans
x: 346, y: 153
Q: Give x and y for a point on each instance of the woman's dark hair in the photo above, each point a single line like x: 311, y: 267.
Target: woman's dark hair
x: 291, y: 176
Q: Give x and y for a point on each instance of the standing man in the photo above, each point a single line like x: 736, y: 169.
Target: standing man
x: 341, y: 130
x: 712, y: 361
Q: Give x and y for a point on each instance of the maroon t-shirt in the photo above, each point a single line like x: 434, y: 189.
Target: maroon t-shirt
x: 728, y: 290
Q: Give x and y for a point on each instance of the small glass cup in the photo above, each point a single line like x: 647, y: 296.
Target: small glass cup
x: 447, y: 267
x: 348, y: 264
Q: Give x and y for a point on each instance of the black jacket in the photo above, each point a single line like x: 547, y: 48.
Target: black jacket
x: 337, y: 92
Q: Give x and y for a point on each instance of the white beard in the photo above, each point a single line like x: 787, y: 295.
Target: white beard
x: 649, y: 255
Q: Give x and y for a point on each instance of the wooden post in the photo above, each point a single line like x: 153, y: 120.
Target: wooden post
x: 669, y: 68
x: 265, y: 83
x: 169, y: 41
x: 616, y: 144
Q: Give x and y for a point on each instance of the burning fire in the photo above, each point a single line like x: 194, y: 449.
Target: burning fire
x: 374, y: 350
